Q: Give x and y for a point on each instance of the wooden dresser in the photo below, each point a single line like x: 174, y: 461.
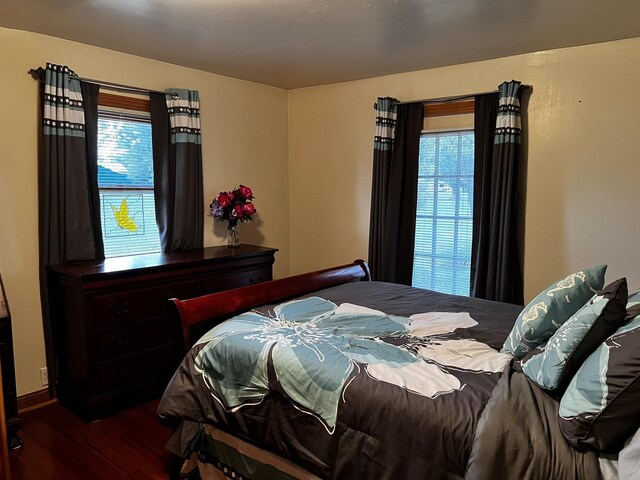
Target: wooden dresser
x: 116, y: 344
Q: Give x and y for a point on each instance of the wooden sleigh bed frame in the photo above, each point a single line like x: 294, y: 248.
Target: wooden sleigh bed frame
x: 197, y: 315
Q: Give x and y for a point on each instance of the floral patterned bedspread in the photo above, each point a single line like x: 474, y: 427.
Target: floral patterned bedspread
x: 316, y: 346
x: 367, y: 380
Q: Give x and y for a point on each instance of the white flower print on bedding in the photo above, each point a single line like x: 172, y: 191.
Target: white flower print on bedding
x: 421, y: 378
x: 466, y: 355
x: 437, y: 323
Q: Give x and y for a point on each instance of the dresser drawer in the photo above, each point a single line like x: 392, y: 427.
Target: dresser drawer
x: 228, y: 281
x: 138, y: 304
x: 133, y: 369
x: 134, y: 337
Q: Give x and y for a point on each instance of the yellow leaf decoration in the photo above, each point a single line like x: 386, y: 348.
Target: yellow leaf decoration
x: 122, y: 217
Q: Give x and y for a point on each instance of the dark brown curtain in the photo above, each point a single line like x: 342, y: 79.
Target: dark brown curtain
x: 400, y: 216
x: 382, y: 145
x: 90, y: 97
x: 496, y: 267
x: 486, y: 111
x: 163, y: 168
x: 177, y: 170
x: 68, y: 228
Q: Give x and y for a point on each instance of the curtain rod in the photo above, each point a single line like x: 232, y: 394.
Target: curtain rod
x: 455, y: 98
x: 446, y: 99
x: 109, y: 85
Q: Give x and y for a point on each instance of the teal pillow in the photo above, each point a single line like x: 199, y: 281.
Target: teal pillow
x: 551, y: 308
x: 599, y: 408
x: 555, y: 363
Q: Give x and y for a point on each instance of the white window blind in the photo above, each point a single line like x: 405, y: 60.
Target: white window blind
x: 125, y: 181
x: 444, y: 215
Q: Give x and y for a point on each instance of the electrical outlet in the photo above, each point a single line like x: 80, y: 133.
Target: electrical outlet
x: 44, y: 377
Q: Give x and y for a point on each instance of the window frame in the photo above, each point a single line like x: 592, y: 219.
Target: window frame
x: 433, y: 216
x: 124, y: 108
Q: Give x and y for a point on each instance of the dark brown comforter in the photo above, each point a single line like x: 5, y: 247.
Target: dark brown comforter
x: 527, y: 443
x: 393, y: 392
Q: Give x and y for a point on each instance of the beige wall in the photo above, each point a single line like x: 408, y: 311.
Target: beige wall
x: 244, y: 128
x: 584, y: 158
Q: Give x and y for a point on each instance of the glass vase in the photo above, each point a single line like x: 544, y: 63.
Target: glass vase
x: 234, y: 239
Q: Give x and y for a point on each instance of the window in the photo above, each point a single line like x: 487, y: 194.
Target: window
x: 125, y: 182
x: 444, y: 216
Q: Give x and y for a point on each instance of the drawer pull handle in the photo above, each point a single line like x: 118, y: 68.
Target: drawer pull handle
x: 123, y: 342
x: 122, y: 373
x: 253, y: 281
x: 120, y: 310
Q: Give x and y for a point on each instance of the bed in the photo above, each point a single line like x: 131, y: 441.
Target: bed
x: 331, y: 375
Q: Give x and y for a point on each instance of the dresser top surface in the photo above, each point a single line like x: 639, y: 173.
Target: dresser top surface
x: 159, y: 261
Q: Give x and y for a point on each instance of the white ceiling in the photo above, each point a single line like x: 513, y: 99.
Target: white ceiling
x: 298, y: 43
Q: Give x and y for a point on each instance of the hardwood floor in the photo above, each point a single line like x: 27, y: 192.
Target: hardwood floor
x: 58, y: 445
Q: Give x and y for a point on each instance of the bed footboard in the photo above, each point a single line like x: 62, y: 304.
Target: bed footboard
x: 197, y: 315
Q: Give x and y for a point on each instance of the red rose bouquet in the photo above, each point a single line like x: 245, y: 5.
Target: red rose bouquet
x: 234, y: 206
